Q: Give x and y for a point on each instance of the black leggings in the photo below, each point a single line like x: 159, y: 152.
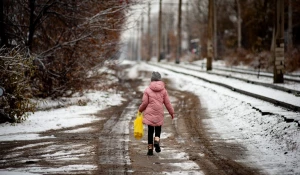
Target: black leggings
x: 151, y: 131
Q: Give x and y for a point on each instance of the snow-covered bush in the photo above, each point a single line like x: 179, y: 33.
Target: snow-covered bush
x: 15, y: 73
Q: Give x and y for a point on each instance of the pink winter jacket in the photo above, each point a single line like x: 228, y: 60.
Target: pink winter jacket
x: 154, y: 98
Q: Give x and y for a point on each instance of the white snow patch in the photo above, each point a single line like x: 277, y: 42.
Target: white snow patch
x: 69, y: 116
x: 165, y: 135
x: 184, y: 173
x: 15, y: 173
x: 23, y: 136
x: 174, y: 154
x: 57, y: 170
x: 32, y: 145
x: 190, y: 165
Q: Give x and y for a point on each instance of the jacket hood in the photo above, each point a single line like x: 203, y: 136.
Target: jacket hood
x: 157, y: 86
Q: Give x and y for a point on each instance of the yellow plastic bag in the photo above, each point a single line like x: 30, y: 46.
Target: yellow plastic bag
x: 138, y: 126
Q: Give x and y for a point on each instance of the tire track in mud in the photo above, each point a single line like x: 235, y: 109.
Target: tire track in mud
x: 214, y: 157
x: 114, y: 140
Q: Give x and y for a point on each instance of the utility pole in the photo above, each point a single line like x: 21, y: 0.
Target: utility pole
x: 178, y: 55
x: 148, y: 35
x: 159, y: 32
x: 239, y: 23
x: 210, y: 35
x: 279, y: 50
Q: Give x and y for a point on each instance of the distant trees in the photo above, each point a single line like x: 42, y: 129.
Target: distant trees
x: 244, y: 34
x: 250, y: 26
x: 66, y: 40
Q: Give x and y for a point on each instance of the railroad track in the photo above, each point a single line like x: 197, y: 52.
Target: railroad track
x: 273, y: 86
x: 285, y: 105
x: 255, y: 72
x: 287, y: 77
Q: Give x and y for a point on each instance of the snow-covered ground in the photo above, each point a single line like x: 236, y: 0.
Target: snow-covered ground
x: 271, y: 143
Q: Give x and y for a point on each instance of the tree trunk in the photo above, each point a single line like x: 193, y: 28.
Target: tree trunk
x: 290, y: 27
x: 178, y: 55
x: 279, y: 50
x: 159, y: 32
x: 210, y: 35
x: 3, y: 37
x: 215, y: 31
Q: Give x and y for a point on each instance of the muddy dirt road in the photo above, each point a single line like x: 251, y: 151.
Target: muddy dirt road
x: 107, y: 146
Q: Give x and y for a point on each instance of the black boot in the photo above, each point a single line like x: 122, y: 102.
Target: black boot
x: 150, y: 150
x: 156, y: 144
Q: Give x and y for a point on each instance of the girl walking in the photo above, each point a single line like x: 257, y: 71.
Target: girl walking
x: 155, y: 97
